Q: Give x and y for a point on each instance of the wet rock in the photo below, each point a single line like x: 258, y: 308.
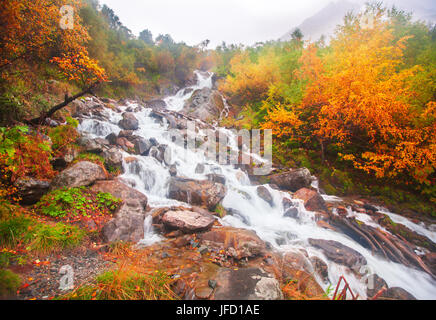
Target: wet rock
x: 165, y: 153
x: 430, y: 260
x: 287, y: 203
x: 141, y: 145
x: 187, y: 90
x: 247, y: 284
x: 218, y: 178
x: 238, y: 243
x: 199, y: 168
x: 374, y: 284
x: 112, y: 138
x: 264, y: 193
x: 297, y: 260
x: 156, y: 104
x: 173, y: 170
x: 30, y: 190
x: 291, y: 213
x: 197, y: 192
x: 156, y: 153
x: 154, y: 142
x: 120, y: 190
x: 339, y: 253
x: 125, y: 144
x: 83, y: 173
x: 320, y: 267
x: 292, y: 180
x: 128, y: 223
x: 342, y: 211
x: 93, y: 145
x: 239, y: 215
x: 125, y: 133
x: 396, y: 293
x: 312, y: 199
x: 129, y: 121
x: 369, y: 207
x: 324, y: 224
x: 113, y: 158
x: 187, y: 221
x: 205, y: 104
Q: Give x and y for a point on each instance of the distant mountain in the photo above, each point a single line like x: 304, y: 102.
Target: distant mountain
x: 324, y: 22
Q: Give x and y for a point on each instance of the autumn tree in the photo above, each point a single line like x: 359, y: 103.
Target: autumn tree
x: 360, y: 97
x: 31, y: 30
x: 80, y: 69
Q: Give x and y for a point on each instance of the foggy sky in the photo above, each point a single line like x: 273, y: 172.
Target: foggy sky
x: 232, y: 21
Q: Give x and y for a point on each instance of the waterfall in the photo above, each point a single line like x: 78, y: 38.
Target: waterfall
x: 151, y: 177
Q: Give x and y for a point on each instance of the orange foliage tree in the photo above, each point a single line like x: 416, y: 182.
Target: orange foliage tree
x: 359, y: 97
x: 31, y: 30
x: 80, y: 68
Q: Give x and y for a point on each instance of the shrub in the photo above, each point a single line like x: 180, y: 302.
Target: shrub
x: 63, y: 136
x: 22, y: 154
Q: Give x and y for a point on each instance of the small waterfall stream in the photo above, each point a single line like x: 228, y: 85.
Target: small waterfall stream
x: 151, y: 177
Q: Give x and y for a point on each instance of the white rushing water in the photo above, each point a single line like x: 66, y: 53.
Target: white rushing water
x: 283, y: 233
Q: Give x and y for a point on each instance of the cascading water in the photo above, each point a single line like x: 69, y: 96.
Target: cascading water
x: 151, y: 177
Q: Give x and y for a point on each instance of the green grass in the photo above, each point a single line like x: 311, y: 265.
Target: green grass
x: 125, y: 285
x: 38, y: 236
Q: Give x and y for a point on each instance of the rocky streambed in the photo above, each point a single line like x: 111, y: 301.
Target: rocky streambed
x: 241, y: 240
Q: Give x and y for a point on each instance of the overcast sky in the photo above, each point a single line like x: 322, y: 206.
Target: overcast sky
x: 233, y: 21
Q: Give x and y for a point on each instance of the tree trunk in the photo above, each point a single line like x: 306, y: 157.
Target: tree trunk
x: 49, y: 113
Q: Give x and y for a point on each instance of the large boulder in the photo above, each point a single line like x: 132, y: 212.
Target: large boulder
x: 142, y: 145
x: 197, y: 192
x: 293, y: 179
x: 120, y: 190
x: 313, y: 201
x: 30, y: 190
x: 129, y: 121
x: 238, y: 243
x: 337, y: 252
x: 156, y: 104
x: 83, y: 173
x: 128, y: 223
x: 246, y: 284
x: 205, y: 104
x: 93, y: 145
x: 188, y: 221
x: 396, y: 293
